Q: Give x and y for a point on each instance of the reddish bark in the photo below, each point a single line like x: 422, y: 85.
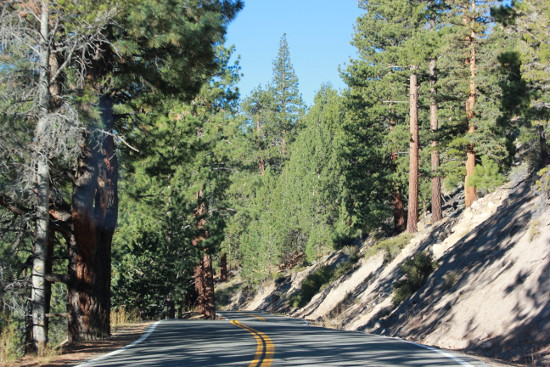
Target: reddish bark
x: 470, y: 191
x: 204, y: 275
x: 209, y: 304
x: 398, y: 212
x: 412, y: 217
x: 223, y: 268
x: 398, y: 206
x: 437, y: 214
x: 544, y: 152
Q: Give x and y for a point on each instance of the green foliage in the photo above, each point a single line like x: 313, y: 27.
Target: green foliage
x: 323, y: 276
x: 311, y: 285
x: 148, y: 272
x: 300, y: 209
x: 188, y: 168
x: 391, y: 246
x: 487, y: 176
x: 272, y: 114
x: 11, y: 347
x: 542, y: 185
x: 415, y: 271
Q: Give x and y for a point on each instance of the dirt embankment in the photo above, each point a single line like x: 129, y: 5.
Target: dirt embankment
x: 489, y: 294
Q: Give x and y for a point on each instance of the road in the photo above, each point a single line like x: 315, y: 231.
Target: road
x: 261, y: 340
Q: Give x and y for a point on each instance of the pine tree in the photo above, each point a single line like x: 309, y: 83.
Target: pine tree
x: 58, y: 41
x: 533, y: 15
x: 470, y: 30
x: 185, y: 177
x: 289, y: 106
x: 387, y: 38
x: 273, y: 112
x: 300, y: 213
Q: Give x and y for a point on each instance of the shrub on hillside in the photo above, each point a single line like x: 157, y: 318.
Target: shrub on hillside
x: 311, y: 285
x: 486, y: 176
x: 391, y: 246
x: 415, y: 271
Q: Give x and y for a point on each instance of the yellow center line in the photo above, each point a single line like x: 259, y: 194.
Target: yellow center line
x: 264, y: 349
x: 249, y: 314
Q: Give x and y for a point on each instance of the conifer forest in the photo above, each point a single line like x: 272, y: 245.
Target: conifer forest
x: 132, y: 171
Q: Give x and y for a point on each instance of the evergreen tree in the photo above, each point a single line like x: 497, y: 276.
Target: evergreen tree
x: 300, y: 212
x: 529, y: 25
x: 273, y: 113
x: 108, y: 67
x: 289, y: 106
x: 184, y: 178
x: 471, y: 43
x: 386, y: 37
x: 163, y: 46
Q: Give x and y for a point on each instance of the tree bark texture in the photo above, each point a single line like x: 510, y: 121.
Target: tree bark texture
x: 412, y: 217
x: 434, y: 126
x: 209, y: 305
x: 204, y: 286
x: 223, y: 268
x: 470, y: 192
x: 40, y: 287
x: 398, y: 206
x: 94, y: 217
x: 261, y: 161
x: 544, y: 152
x: 204, y: 275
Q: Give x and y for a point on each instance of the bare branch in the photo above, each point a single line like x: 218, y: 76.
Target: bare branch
x: 57, y: 278
x: 6, y: 202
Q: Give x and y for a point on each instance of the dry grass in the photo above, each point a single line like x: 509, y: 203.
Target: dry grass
x: 121, y: 317
x: 72, y: 355
x: 8, y: 345
x: 534, y: 229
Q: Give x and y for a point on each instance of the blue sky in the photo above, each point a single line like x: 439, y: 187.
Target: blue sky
x: 318, y: 33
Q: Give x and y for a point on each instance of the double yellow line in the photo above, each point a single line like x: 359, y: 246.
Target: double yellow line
x: 264, y: 350
x: 249, y: 314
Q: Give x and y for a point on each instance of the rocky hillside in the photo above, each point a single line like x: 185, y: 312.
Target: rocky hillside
x: 478, y: 281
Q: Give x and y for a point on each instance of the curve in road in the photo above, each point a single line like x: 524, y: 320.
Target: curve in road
x: 277, y: 341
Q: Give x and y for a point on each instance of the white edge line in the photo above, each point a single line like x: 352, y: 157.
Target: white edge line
x: 141, y: 339
x: 448, y: 355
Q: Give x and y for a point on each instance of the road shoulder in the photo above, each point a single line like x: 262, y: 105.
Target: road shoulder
x: 81, y: 352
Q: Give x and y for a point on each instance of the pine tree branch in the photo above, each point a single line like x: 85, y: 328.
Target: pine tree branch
x: 8, y: 203
x: 57, y: 278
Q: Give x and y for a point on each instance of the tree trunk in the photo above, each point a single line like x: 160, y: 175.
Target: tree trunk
x: 106, y: 214
x: 261, y: 161
x: 398, y: 207
x: 412, y: 217
x: 199, y: 287
x: 398, y: 212
x: 40, y: 287
x: 434, y: 126
x: 470, y: 192
x: 204, y: 276
x: 544, y: 153
x: 209, y: 305
x: 94, y: 215
x: 223, y: 268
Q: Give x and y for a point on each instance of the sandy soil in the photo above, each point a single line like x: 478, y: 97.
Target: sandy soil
x: 489, y: 295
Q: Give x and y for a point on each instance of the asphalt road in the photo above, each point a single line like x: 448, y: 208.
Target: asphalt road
x: 260, y: 340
